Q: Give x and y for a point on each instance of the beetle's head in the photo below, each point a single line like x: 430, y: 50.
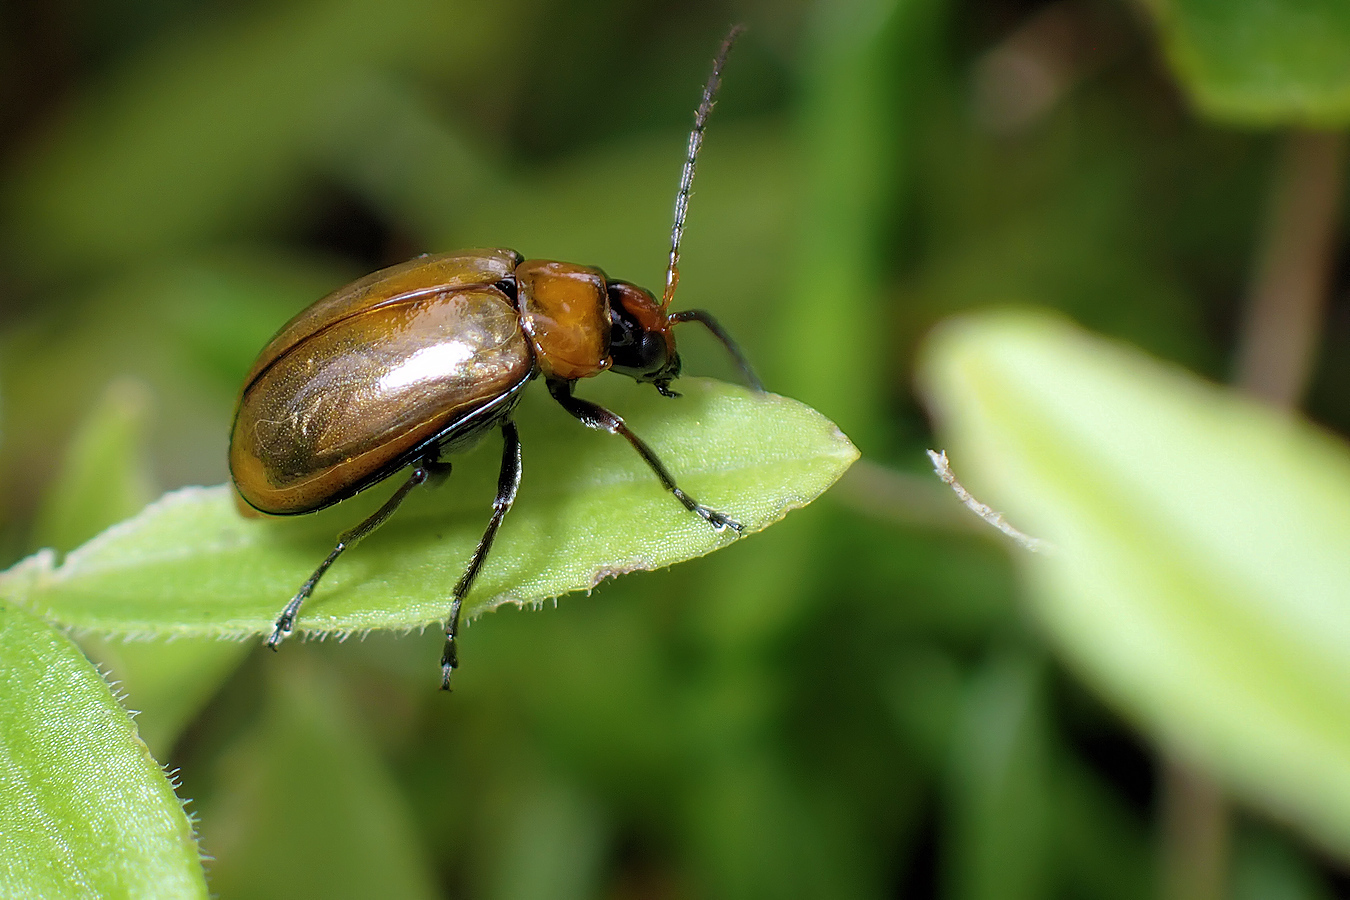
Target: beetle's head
x: 641, y: 342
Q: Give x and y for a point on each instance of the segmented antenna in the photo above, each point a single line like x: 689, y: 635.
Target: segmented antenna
x: 705, y: 107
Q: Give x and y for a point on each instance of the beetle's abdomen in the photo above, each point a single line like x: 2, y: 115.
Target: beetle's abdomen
x: 336, y: 409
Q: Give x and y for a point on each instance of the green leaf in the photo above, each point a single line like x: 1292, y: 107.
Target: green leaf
x: 1256, y: 62
x: 588, y: 509
x: 166, y: 682
x: 84, y: 810
x: 1201, y: 579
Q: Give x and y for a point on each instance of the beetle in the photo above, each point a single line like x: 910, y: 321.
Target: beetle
x: 406, y: 366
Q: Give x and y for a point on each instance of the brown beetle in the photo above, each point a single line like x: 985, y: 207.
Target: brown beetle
x: 412, y: 363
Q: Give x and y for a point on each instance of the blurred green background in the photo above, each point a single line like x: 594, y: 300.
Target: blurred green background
x: 853, y: 704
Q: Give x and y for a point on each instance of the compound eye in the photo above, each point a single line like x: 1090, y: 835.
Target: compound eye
x: 653, y: 352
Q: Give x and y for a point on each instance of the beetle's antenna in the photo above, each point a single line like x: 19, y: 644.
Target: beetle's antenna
x: 705, y: 107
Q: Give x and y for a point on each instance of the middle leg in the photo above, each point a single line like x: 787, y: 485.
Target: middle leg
x: 508, y: 482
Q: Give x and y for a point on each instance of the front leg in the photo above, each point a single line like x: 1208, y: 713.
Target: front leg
x: 593, y: 415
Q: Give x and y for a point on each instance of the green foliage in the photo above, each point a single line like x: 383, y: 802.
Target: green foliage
x: 849, y: 704
x: 1253, y: 62
x: 192, y: 565
x: 282, y: 830
x: 1199, y: 574
x: 86, y: 810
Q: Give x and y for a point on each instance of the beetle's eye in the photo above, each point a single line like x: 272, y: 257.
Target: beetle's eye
x: 653, y: 352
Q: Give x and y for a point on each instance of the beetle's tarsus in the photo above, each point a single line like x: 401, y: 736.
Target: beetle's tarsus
x: 446, y: 671
x: 285, y: 622
x: 449, y: 662
x: 718, y: 520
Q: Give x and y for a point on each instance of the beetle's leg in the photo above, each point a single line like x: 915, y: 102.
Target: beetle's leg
x: 592, y: 415
x: 286, y: 621
x: 508, y: 481
x: 706, y: 319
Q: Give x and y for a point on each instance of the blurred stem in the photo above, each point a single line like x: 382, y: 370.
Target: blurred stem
x: 1277, y: 345
x: 855, y: 132
x: 1195, y: 835
x: 1282, y: 324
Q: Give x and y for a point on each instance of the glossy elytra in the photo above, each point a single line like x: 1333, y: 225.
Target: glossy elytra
x: 412, y: 363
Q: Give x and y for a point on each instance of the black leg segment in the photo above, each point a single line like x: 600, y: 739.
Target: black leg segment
x: 286, y: 621
x: 592, y: 415
x: 508, y: 482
